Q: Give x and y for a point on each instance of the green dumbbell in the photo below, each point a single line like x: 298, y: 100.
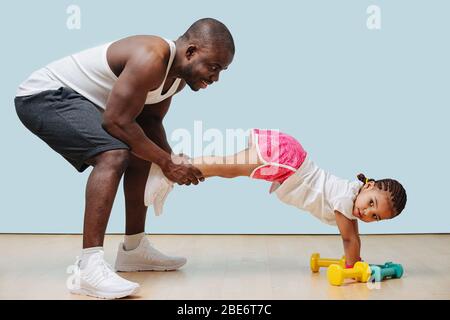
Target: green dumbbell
x: 387, y: 270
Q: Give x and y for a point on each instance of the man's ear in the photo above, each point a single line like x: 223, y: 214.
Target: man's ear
x: 191, y: 51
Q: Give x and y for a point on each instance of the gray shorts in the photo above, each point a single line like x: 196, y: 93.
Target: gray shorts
x: 69, y: 123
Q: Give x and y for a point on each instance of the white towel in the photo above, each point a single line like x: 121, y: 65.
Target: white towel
x: 157, y: 188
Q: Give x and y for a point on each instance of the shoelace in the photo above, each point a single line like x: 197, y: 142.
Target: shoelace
x: 151, y: 253
x: 77, y: 262
x: 74, y: 280
x: 106, y: 268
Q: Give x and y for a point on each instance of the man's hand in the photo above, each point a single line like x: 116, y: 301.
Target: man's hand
x: 183, y: 174
x: 181, y: 159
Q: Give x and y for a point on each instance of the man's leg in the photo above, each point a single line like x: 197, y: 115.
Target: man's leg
x: 135, y: 178
x: 101, y: 191
x: 95, y: 277
x: 137, y: 253
x: 134, y: 186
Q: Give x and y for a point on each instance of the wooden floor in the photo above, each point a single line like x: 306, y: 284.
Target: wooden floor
x: 233, y: 267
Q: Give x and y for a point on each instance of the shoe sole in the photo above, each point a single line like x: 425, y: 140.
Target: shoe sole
x: 139, y: 268
x: 104, y: 295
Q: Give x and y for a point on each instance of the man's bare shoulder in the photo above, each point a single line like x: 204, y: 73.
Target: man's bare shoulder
x: 146, y: 48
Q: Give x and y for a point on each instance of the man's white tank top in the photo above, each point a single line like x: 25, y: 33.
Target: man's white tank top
x: 89, y: 74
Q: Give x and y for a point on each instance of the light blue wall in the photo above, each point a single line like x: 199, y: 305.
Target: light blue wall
x: 359, y: 100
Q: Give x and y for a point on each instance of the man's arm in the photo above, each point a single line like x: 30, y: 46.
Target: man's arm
x: 143, y: 72
x: 350, y: 237
x: 151, y: 121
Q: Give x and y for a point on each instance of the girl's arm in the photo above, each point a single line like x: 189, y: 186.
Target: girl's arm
x: 350, y: 237
x: 355, y: 225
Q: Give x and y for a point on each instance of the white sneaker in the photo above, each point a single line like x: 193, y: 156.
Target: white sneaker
x: 98, y: 280
x: 146, y: 258
x: 157, y: 188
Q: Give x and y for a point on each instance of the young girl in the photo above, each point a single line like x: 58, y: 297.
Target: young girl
x: 296, y: 180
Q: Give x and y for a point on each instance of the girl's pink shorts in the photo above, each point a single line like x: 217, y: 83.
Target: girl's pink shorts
x: 280, y: 154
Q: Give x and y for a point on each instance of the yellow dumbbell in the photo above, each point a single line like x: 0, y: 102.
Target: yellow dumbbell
x: 316, y: 262
x: 360, y: 272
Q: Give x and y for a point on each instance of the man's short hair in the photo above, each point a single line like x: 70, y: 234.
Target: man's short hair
x: 209, y: 32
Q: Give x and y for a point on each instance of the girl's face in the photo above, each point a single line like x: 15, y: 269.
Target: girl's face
x: 372, y: 204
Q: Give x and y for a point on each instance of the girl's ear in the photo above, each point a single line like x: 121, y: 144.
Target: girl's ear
x: 370, y: 184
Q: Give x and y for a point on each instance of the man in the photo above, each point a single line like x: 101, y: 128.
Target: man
x: 104, y: 107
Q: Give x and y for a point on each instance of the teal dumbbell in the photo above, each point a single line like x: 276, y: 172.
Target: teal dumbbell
x: 387, y: 270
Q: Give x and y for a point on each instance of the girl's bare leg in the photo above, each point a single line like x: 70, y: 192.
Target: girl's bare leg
x: 240, y: 164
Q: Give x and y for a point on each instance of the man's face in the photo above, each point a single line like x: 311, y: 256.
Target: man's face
x: 203, y: 65
x: 372, y: 204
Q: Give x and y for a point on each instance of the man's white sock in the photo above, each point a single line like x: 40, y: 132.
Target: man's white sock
x: 86, y: 254
x: 132, y: 241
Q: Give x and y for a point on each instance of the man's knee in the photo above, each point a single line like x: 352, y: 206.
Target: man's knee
x: 117, y: 160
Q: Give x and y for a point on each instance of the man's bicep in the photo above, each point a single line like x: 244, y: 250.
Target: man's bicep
x: 129, y: 93
x: 124, y: 102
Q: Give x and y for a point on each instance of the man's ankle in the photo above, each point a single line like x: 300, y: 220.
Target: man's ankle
x: 132, y: 241
x: 86, y: 254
